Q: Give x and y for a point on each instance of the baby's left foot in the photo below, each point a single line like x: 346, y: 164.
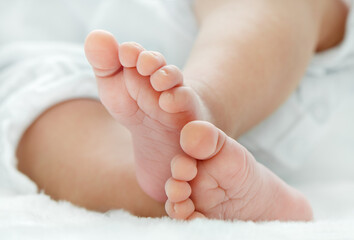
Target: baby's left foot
x: 218, y: 178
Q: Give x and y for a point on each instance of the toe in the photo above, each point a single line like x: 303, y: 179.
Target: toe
x: 177, y: 191
x: 178, y: 99
x: 149, y: 61
x: 129, y: 53
x: 181, y: 210
x: 196, y: 215
x: 101, y: 50
x: 166, y: 78
x: 183, y: 168
x: 201, y: 140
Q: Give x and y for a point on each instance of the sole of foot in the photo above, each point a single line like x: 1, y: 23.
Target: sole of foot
x: 148, y: 97
x: 218, y: 178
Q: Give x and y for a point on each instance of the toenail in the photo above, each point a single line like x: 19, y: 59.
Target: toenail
x: 137, y: 45
x: 169, y: 95
x: 175, y: 208
x: 164, y: 72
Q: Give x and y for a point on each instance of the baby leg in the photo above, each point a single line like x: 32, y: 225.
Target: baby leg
x: 251, y: 54
x: 76, y: 151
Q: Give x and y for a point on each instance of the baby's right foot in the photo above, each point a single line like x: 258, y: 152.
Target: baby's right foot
x: 218, y: 178
x: 149, y: 98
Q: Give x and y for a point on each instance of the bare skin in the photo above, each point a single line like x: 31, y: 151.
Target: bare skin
x: 77, y: 152
x: 220, y: 64
x: 149, y: 98
x: 218, y: 178
x: 264, y: 52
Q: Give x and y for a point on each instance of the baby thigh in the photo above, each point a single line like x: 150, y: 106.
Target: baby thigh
x: 75, y: 151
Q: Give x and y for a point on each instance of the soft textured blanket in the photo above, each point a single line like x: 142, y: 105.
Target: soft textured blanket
x: 38, y: 217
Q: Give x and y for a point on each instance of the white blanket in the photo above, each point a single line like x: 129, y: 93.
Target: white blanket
x: 326, y: 176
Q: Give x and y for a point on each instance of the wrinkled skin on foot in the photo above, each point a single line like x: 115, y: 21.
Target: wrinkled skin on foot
x: 218, y: 178
x: 148, y: 97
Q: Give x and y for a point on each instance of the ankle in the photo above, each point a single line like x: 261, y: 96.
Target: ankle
x: 212, y: 109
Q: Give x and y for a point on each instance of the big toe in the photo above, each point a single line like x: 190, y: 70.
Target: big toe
x: 101, y: 49
x: 201, y: 140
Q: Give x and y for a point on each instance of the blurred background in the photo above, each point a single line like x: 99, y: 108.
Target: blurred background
x: 165, y: 25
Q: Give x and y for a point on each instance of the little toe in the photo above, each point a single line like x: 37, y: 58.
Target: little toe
x: 201, y: 140
x: 149, y: 61
x: 178, y: 99
x: 101, y: 51
x: 183, y: 168
x: 166, y: 78
x: 196, y: 215
x: 181, y: 210
x: 177, y: 191
x: 129, y: 53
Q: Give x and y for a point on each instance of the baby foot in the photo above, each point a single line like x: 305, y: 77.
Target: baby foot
x: 218, y: 178
x: 149, y: 98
